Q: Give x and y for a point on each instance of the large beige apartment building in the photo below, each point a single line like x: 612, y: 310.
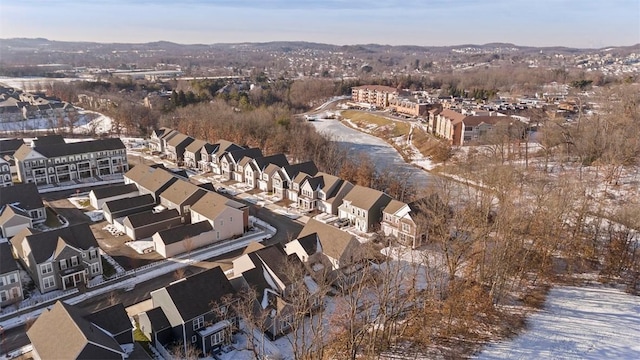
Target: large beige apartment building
x: 377, y: 95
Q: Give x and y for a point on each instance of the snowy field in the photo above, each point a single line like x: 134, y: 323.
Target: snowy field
x: 577, y: 323
x: 89, y: 122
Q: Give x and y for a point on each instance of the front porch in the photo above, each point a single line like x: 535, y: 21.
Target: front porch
x: 71, y: 278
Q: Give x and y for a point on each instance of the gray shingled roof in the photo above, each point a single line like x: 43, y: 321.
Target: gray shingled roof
x: 44, y: 244
x: 196, y: 146
x: 114, y: 319
x: 158, y: 319
x: 7, y: 263
x: 114, y: 206
x: 83, y: 147
x: 194, y: 295
x: 26, y: 196
x: 179, y: 233
x: 149, y: 217
x: 308, y: 168
x: 212, y: 204
x: 237, y: 155
x: 277, y: 159
x: 9, y: 146
x: 114, y: 190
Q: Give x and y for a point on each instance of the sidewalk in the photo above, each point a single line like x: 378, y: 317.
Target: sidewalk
x: 129, y: 282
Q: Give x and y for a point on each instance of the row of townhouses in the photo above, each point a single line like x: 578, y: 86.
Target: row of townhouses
x: 16, y: 105
x: 301, y: 183
x: 280, y: 280
x: 51, y: 160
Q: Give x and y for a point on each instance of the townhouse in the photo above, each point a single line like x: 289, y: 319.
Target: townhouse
x: 228, y: 218
x: 283, y: 178
x: 406, y: 222
x: 199, y: 310
x: 25, y: 199
x: 323, y: 192
x: 278, y: 281
x: 156, y: 139
x: 97, y: 197
x: 193, y: 153
x: 181, y: 195
x: 331, y: 254
x: 363, y: 206
x: 50, y: 160
x: 233, y: 162
x: 58, y: 259
x: 10, y: 281
x: 102, y: 335
x: 176, y: 145
x: 259, y: 172
x: 216, y: 153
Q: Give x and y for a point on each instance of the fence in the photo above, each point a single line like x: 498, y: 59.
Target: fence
x: 33, y: 302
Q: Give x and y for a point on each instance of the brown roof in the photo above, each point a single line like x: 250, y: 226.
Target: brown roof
x: 376, y: 88
x: 150, y: 178
x: 334, y: 241
x: 364, y: 197
x: 454, y: 116
x: 180, y: 191
x: 477, y: 120
x: 393, y: 206
x: 195, y: 146
x: 63, y: 333
x: 211, y: 205
x: 180, y: 138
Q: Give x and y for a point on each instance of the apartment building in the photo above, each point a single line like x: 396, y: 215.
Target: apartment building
x: 377, y: 95
x: 51, y: 160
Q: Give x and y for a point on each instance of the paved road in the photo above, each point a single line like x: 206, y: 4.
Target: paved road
x: 286, y: 229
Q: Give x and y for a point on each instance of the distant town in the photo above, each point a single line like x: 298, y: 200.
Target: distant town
x: 308, y: 201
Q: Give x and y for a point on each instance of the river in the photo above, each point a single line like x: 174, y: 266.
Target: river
x: 385, y: 156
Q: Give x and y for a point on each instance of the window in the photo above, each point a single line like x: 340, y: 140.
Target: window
x: 46, y: 268
x: 63, y: 264
x: 95, y: 268
x: 48, y: 282
x: 217, y: 338
x: 13, y: 278
x: 231, y: 219
x: 194, y: 339
x: 93, y: 254
x: 2, y: 283
x: 4, y: 296
x: 198, y: 323
x: 74, y: 261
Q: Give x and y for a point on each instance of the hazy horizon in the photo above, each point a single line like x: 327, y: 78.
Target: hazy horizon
x: 542, y: 23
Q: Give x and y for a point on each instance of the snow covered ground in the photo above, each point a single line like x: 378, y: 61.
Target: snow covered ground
x: 577, y: 323
x: 88, y: 123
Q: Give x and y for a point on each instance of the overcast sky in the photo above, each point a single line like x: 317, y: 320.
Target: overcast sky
x: 574, y: 23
